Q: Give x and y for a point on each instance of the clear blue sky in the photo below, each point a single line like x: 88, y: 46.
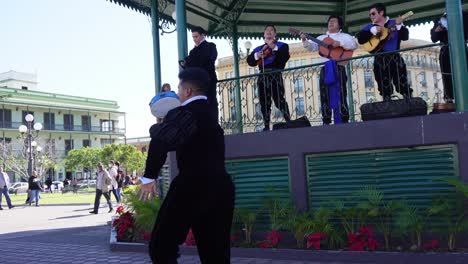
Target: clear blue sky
x: 94, y: 48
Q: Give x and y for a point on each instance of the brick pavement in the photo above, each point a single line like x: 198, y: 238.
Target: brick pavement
x: 69, y: 234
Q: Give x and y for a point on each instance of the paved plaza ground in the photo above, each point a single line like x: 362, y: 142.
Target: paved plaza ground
x: 69, y: 234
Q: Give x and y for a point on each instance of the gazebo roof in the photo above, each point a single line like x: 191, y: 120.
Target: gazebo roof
x: 251, y: 16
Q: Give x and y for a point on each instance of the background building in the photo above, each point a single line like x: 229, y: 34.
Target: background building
x: 302, y: 84
x: 69, y: 122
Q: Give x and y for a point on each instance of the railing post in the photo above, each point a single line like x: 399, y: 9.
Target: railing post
x: 235, y: 51
x: 350, y: 91
x: 457, y: 53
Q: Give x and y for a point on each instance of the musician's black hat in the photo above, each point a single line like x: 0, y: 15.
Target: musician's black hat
x: 199, y: 30
x: 270, y: 25
x: 340, y: 20
x: 196, y: 76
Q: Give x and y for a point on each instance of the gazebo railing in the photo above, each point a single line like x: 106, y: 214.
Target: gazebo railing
x: 302, y: 90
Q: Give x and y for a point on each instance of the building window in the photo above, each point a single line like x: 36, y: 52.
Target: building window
x: 298, y: 85
x: 106, y: 141
x: 290, y: 64
x: 255, y: 90
x: 49, y: 121
x: 5, y: 118
x: 68, y: 122
x: 107, y: 125
x: 436, y: 83
x: 86, y: 123
x: 68, y: 145
x: 303, y: 62
x: 368, y: 79
x: 86, y: 143
x: 228, y: 75
x: 50, y: 145
x: 370, y: 97
x: 300, y: 106
x: 258, y: 111
x: 423, y: 79
x: 233, y: 113
x: 232, y: 94
x: 24, y: 113
x: 278, y: 113
x: 410, y: 81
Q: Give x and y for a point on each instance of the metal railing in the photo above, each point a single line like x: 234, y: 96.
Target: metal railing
x: 302, y: 89
x: 62, y: 127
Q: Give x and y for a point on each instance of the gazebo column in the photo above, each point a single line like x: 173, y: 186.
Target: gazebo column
x: 457, y: 54
x: 156, y: 46
x: 181, y: 25
x: 235, y: 51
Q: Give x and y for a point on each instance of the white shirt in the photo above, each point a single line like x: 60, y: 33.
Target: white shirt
x: 145, y: 180
x: 373, y: 29
x: 347, y: 41
x: 99, y: 180
x: 4, y: 180
x: 191, y: 99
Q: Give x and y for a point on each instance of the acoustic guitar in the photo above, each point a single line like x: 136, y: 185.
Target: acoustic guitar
x: 326, y: 49
x: 377, y: 42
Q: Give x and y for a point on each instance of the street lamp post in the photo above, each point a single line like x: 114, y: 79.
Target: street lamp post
x: 29, y: 133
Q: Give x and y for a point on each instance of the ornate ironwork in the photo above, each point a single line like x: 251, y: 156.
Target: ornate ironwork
x: 302, y: 89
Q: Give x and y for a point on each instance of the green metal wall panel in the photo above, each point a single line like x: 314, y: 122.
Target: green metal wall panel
x: 403, y: 173
x: 254, y: 178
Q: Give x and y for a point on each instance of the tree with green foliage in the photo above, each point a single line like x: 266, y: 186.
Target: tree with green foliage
x: 83, y: 158
x: 128, y: 156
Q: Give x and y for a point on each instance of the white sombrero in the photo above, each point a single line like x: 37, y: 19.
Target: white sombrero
x: 163, y: 103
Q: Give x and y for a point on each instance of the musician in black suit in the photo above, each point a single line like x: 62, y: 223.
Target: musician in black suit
x: 270, y: 57
x: 201, y: 197
x: 204, y: 55
x: 388, y: 68
x: 440, y: 33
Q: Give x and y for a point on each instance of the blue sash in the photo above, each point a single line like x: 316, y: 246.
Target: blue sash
x: 332, y: 80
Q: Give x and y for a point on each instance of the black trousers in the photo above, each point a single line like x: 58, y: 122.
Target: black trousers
x: 97, y: 199
x: 388, y: 69
x: 446, y: 70
x: 325, y: 97
x: 207, y: 211
x: 271, y: 85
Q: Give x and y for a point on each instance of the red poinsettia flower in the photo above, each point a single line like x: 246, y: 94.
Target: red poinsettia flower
x: 147, y: 236
x: 264, y: 244
x: 274, y: 237
x: 431, y: 245
x: 119, y: 210
x: 314, y: 239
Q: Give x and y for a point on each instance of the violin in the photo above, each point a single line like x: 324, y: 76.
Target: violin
x: 266, y: 51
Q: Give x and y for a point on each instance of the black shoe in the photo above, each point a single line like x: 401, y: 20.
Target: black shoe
x: 111, y: 210
x: 93, y: 212
x: 1, y: 208
x: 11, y: 207
x: 387, y: 98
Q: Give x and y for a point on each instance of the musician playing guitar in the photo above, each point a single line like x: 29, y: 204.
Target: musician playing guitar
x: 271, y: 56
x: 347, y: 42
x: 440, y: 33
x: 390, y: 67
